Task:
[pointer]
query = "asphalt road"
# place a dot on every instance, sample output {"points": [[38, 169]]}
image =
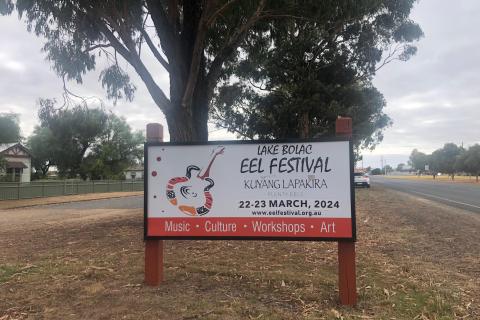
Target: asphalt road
{"points": [[461, 195], [133, 202]]}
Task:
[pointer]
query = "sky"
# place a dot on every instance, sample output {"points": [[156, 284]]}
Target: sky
{"points": [[433, 98]]}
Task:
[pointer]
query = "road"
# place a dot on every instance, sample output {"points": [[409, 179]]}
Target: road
{"points": [[132, 202], [461, 195]]}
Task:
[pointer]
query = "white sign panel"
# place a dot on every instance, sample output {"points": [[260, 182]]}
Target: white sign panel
{"points": [[299, 190]]}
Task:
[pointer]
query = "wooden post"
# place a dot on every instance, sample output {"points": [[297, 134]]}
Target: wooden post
{"points": [[347, 282], [153, 248]]}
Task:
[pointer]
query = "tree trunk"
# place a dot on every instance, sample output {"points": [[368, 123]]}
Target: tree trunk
{"points": [[185, 127], [304, 125], [201, 106], [188, 124], [180, 125]]}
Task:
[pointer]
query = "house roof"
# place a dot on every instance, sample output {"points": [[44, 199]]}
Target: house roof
{"points": [[6, 146], [135, 168], [15, 165]]}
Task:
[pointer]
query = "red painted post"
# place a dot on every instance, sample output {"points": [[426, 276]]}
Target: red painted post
{"points": [[154, 248], [347, 281]]}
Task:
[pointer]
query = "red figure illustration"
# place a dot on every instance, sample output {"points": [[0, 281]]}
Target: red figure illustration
{"points": [[191, 193]]}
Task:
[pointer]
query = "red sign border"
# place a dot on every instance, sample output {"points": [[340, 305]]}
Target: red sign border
{"points": [[230, 142]]}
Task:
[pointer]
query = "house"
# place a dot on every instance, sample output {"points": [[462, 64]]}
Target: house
{"points": [[18, 162], [134, 172]]}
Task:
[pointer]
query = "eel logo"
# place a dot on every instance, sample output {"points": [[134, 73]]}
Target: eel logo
{"points": [[191, 193]]}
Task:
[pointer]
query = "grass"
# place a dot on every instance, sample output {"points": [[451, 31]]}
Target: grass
{"points": [[95, 271], [229, 289], [6, 271]]}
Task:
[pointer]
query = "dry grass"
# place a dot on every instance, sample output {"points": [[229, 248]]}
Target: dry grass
{"points": [[415, 261]]}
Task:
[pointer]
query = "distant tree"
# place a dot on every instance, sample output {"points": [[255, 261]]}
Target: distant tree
{"points": [[73, 132], [117, 148], [42, 147], [418, 160], [400, 167], [376, 172], [443, 159], [9, 132], [9, 128], [471, 160], [388, 168], [459, 165], [3, 164]]}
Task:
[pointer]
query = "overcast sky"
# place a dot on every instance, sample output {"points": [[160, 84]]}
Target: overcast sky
{"points": [[433, 98]]}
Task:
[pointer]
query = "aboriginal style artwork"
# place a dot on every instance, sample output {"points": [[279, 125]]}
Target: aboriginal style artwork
{"points": [[191, 193]]}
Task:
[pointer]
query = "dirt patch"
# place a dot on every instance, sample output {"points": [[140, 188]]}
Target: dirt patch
{"points": [[415, 259], [23, 203]]}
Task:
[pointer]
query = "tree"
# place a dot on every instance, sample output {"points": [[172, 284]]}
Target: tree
{"points": [[3, 164], [376, 172], [418, 160], [471, 160], [9, 128], [73, 132], [388, 168], [42, 147], [443, 159], [9, 132], [201, 42], [117, 148], [400, 167], [314, 70]]}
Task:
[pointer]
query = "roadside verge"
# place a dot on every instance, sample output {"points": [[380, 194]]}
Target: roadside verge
{"points": [[13, 204]]}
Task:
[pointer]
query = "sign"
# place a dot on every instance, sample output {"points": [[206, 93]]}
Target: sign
{"points": [[427, 167], [300, 190]]}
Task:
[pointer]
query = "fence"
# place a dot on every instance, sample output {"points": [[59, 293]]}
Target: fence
{"points": [[28, 190]]}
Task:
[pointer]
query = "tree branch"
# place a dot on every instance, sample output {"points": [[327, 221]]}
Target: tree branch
{"points": [[131, 56], [229, 47], [197, 53], [165, 31], [222, 9], [154, 50], [173, 14], [223, 125], [97, 46]]}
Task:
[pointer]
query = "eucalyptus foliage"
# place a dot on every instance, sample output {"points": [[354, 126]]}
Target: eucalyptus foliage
{"points": [[83, 142], [206, 45], [9, 128], [299, 75]]}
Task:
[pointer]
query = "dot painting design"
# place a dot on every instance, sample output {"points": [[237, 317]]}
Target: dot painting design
{"points": [[159, 158], [154, 173]]}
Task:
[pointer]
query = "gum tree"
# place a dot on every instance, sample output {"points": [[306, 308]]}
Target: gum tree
{"points": [[198, 43]]}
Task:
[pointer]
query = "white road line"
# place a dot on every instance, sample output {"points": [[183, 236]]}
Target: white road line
{"points": [[453, 201]]}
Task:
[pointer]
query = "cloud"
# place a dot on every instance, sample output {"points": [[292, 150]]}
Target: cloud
{"points": [[27, 77], [432, 98]]}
